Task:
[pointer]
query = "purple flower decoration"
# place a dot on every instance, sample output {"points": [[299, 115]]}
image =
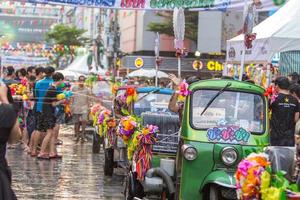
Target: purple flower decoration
{"points": [[244, 166], [101, 118]]}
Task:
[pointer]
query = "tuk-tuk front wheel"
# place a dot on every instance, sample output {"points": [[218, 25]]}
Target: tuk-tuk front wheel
{"points": [[214, 192], [211, 192], [133, 188]]}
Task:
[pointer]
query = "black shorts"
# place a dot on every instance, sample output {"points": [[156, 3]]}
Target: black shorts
{"points": [[60, 117], [45, 121], [284, 138], [31, 122]]}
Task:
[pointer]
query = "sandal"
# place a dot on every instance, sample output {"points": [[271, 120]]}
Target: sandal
{"points": [[43, 156]]}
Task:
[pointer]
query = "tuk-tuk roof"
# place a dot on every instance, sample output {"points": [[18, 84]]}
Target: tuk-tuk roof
{"points": [[152, 88], [220, 83], [127, 86], [148, 89]]}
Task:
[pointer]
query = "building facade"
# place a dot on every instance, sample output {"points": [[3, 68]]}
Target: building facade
{"points": [[137, 41], [216, 27], [135, 36]]}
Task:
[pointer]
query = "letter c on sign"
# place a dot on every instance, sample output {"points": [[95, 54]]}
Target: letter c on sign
{"points": [[210, 65]]}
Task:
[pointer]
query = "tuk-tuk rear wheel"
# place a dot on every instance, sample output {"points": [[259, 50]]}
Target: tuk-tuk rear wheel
{"points": [[108, 162]]}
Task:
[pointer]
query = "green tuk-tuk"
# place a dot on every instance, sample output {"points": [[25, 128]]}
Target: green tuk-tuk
{"points": [[223, 121]]}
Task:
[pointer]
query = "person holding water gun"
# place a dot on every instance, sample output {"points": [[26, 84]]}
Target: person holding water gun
{"points": [[62, 112]]}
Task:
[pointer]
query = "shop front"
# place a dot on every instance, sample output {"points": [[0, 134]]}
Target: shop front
{"points": [[205, 68]]}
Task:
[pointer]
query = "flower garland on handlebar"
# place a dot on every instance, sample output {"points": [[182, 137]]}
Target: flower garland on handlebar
{"points": [[249, 176], [99, 115], [143, 154], [271, 94], [139, 143], [106, 124], [102, 117], [255, 180], [139, 140], [127, 126], [131, 95], [110, 130]]}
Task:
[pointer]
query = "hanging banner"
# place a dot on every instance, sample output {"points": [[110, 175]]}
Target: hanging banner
{"points": [[41, 11], [23, 61], [259, 53], [222, 5], [232, 5]]}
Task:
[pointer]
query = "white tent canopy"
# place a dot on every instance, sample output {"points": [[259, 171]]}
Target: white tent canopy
{"points": [[79, 65], [278, 33], [70, 75], [148, 73]]}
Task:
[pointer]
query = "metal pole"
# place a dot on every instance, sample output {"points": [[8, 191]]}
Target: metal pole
{"points": [[115, 43], [242, 63], [92, 24], [1, 68], [156, 74], [268, 74], [244, 46], [157, 41], [179, 67]]}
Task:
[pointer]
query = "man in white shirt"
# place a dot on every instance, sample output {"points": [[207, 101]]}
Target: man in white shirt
{"points": [[80, 108]]}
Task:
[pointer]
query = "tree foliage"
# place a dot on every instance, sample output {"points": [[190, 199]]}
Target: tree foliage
{"points": [[66, 36], [166, 26]]}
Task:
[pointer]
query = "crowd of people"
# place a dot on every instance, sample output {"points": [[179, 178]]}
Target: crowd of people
{"points": [[34, 103], [43, 113], [39, 109]]}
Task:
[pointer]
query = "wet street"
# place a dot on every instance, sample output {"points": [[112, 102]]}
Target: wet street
{"points": [[79, 175]]}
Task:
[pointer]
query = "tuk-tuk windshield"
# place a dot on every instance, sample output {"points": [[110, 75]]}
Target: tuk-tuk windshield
{"points": [[230, 108], [151, 102]]}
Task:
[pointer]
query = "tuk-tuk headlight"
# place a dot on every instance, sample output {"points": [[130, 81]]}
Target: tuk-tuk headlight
{"points": [[189, 152], [229, 155]]}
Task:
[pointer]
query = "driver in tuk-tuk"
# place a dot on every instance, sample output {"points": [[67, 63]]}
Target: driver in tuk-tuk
{"points": [[174, 105]]}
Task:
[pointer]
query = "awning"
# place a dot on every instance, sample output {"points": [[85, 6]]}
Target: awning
{"points": [[278, 33]]}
